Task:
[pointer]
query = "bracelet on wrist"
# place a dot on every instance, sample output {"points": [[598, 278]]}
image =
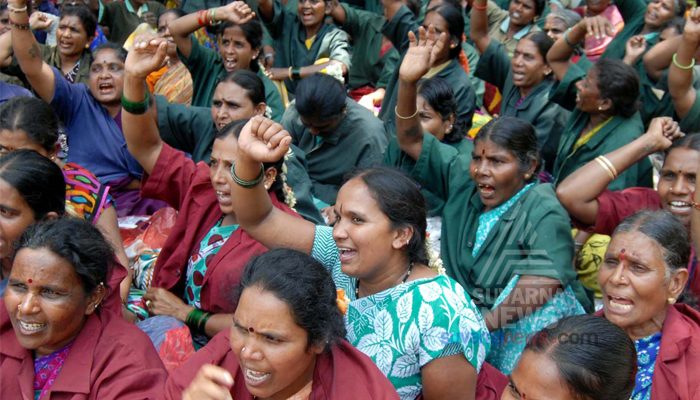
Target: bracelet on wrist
{"points": [[675, 62], [566, 39], [290, 73], [296, 74], [268, 55], [19, 26], [136, 108], [248, 184], [17, 10]]}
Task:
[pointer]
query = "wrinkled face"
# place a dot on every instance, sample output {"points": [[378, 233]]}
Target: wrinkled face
{"points": [[588, 93], [4, 21], [71, 37], [312, 12], [554, 27], [435, 19], [596, 7], [321, 127], [430, 120], [677, 182], [528, 66], [272, 350], [536, 376], [17, 140], [15, 216], [164, 31], [633, 280], [223, 155], [496, 173], [522, 12], [658, 12], [236, 50], [107, 77], [231, 102], [46, 301], [363, 233]]}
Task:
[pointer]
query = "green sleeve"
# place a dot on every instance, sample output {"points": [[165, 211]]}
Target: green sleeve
{"points": [[201, 59], [391, 61], [397, 29], [267, 39], [339, 47], [437, 161], [275, 27], [631, 9], [356, 21], [180, 126], [564, 92], [300, 183], [109, 10], [691, 122], [273, 98], [494, 65]]}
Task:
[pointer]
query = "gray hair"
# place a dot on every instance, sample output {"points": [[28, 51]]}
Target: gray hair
{"points": [[568, 17]]}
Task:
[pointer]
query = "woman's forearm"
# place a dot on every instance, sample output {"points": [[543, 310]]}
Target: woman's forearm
{"points": [[479, 31], [529, 294]]}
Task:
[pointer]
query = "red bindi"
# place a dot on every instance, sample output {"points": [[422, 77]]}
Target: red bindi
{"points": [[30, 280], [483, 151], [251, 330], [622, 255]]}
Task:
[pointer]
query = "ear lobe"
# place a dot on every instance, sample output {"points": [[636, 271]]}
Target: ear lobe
{"points": [[677, 282], [94, 299]]}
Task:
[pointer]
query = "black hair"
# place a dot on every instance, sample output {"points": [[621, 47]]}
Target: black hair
{"points": [[668, 232], [249, 81], [455, 22], [235, 128], [253, 32], [690, 141], [3, 7], [38, 180], [307, 288], [400, 199], [441, 98], [32, 115], [516, 136], [320, 95], [414, 6], [677, 22], [78, 242], [618, 82], [86, 17], [596, 358], [118, 50], [539, 8], [177, 11], [542, 41]]}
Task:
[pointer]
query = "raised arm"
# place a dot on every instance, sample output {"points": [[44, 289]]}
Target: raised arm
{"points": [[263, 140], [266, 8], [579, 192], [680, 75], [479, 31], [28, 54], [391, 7], [237, 12], [140, 130], [417, 62], [660, 56], [634, 48], [559, 56], [338, 12]]}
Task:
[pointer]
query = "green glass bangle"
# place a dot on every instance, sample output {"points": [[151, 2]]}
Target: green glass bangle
{"points": [[248, 184], [692, 63], [194, 319], [566, 38], [296, 76], [203, 322], [134, 107]]}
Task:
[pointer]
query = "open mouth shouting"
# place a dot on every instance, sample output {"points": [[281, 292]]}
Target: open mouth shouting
{"points": [[230, 63]]}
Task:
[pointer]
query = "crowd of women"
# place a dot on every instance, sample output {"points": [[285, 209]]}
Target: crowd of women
{"points": [[488, 199]]}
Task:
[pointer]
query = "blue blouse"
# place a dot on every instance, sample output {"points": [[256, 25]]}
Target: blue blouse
{"points": [[647, 351]]}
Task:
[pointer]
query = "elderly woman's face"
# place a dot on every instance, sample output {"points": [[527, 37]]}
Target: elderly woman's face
{"points": [[46, 301], [633, 280], [272, 350]]}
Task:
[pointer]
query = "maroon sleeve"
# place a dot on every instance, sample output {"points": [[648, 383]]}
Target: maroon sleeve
{"points": [[171, 177], [614, 207]]}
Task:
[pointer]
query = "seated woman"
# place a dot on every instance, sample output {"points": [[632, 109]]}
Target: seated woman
{"points": [[374, 58], [30, 123], [643, 278], [581, 357], [173, 81], [595, 46], [285, 297], [376, 253], [92, 117], [305, 43], [437, 109], [595, 209], [479, 212], [239, 38], [52, 317], [524, 81], [71, 55], [336, 133], [446, 18], [509, 26], [206, 251], [604, 102], [557, 22]]}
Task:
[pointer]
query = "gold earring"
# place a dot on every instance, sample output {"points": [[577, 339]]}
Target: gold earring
{"points": [[527, 176], [600, 108], [448, 130], [452, 46], [671, 301]]}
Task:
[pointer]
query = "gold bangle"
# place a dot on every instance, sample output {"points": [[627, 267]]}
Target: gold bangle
{"points": [[606, 168], [396, 111], [612, 167], [290, 73]]}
